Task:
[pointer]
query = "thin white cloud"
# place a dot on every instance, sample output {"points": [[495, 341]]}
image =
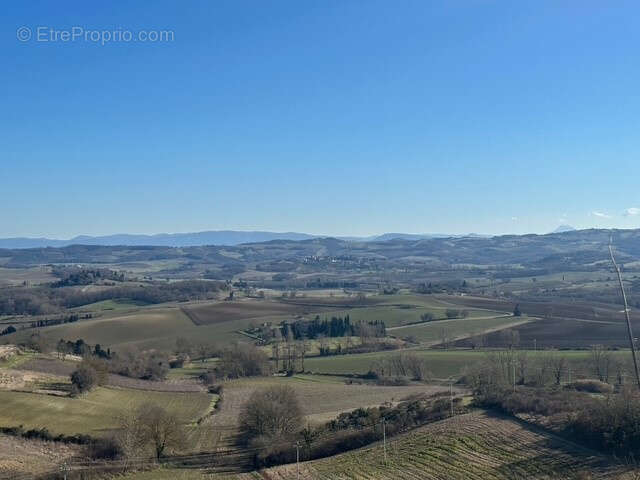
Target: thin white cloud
{"points": [[515, 219], [600, 214], [631, 212]]}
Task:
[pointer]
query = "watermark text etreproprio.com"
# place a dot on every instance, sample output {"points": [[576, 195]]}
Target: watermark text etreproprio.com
{"points": [[47, 34]]}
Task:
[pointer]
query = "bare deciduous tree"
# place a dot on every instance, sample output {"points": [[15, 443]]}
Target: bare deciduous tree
{"points": [[271, 412], [150, 427], [559, 367], [510, 337], [131, 437], [159, 428], [445, 337], [600, 362]]}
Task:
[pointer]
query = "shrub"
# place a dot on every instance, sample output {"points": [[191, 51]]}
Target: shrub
{"points": [[393, 381], [208, 378], [452, 313], [215, 389], [104, 449], [427, 317], [591, 386], [86, 377], [177, 362]]}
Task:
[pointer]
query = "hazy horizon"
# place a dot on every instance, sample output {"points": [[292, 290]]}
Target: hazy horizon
{"points": [[313, 234]]}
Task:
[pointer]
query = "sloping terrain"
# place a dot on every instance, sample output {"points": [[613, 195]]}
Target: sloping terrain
{"points": [[470, 447], [476, 446]]}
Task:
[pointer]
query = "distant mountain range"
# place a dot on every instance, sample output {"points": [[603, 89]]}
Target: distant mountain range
{"points": [[218, 237], [564, 228], [573, 250], [214, 237]]}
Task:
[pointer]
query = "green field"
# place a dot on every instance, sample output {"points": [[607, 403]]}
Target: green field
{"points": [[441, 363], [106, 305], [94, 413], [405, 313]]}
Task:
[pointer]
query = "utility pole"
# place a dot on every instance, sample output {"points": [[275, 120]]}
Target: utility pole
{"points": [[64, 468], [384, 439], [451, 394], [626, 310], [297, 460]]}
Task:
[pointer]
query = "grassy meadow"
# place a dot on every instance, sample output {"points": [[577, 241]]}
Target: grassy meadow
{"points": [[441, 363], [96, 412]]}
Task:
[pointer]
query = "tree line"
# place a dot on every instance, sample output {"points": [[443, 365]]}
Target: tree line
{"points": [[43, 300], [72, 276], [334, 327]]}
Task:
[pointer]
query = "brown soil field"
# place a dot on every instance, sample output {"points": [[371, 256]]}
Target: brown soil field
{"points": [[561, 325], [563, 333], [576, 310]]}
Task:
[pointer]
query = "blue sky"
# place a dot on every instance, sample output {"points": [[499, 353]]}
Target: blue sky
{"points": [[329, 117]]}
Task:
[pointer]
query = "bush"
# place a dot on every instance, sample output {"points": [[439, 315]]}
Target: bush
{"points": [[609, 424], [104, 449], [591, 386], [85, 378], [215, 389], [452, 313], [427, 317], [177, 363], [208, 378], [44, 434], [393, 381]]}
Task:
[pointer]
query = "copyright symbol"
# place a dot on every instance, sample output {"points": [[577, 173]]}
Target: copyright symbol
{"points": [[23, 34]]}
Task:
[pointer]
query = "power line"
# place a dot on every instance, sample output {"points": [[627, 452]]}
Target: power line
{"points": [[626, 310]]}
